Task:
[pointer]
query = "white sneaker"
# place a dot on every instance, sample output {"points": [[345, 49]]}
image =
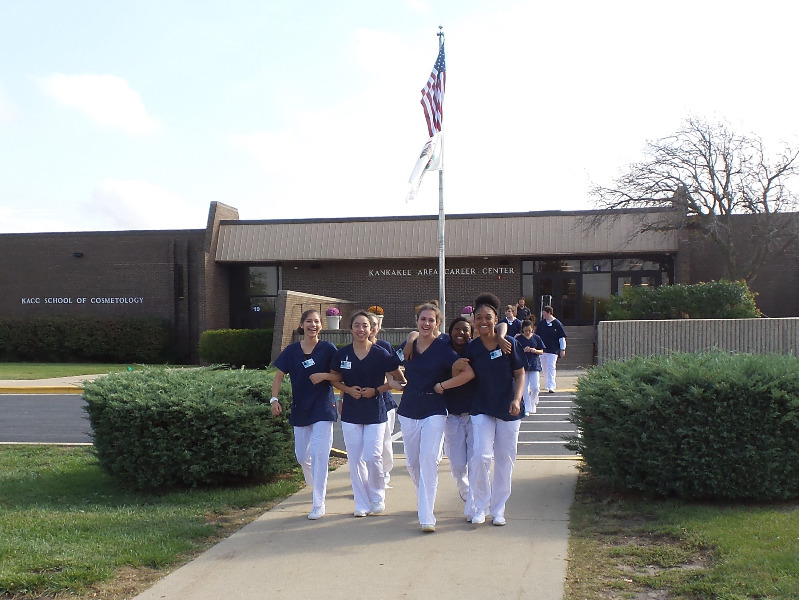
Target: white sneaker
{"points": [[317, 513], [479, 517], [535, 408], [360, 513], [378, 507], [428, 527], [499, 521]]}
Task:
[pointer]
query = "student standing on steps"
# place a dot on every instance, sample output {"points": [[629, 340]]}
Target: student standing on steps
{"points": [[551, 331], [533, 348]]}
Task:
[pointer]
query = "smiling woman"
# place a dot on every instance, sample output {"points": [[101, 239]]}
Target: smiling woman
{"points": [[496, 412], [362, 367], [423, 410], [313, 404]]}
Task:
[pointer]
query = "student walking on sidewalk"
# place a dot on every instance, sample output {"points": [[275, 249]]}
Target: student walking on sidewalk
{"points": [[423, 410], [313, 404], [363, 367], [496, 413]]}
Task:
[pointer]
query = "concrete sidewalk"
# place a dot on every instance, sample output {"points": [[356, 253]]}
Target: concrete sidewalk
{"points": [[567, 380], [55, 385], [284, 555]]}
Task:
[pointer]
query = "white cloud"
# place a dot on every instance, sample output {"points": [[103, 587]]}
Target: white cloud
{"points": [[107, 99], [127, 204]]}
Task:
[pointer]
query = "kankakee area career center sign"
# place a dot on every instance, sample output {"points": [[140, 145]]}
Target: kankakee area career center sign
{"points": [[467, 271]]}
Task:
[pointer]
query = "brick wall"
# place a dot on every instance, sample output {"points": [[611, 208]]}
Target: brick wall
{"points": [[97, 274], [214, 309], [777, 282]]}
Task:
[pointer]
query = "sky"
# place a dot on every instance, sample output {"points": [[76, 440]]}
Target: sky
{"points": [[138, 114]]}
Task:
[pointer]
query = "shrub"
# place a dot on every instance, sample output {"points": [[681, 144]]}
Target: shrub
{"points": [[237, 347], [140, 340], [695, 426], [712, 300], [187, 427]]}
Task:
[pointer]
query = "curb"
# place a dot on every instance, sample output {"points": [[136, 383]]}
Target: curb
{"points": [[42, 389]]}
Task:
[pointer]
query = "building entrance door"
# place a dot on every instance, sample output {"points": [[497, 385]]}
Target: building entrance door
{"points": [[564, 288]]}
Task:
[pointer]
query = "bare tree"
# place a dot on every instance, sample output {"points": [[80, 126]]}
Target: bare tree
{"points": [[709, 175]]}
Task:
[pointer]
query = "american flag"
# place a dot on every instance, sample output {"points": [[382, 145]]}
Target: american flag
{"points": [[433, 94]]}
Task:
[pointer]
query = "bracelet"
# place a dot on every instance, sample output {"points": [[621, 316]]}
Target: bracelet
{"points": [[273, 400], [441, 385]]}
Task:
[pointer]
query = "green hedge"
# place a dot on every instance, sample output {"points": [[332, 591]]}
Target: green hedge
{"points": [[711, 300], [118, 340], [237, 347], [187, 427], [695, 426]]}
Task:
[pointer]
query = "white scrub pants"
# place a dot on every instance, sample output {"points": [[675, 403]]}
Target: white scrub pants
{"points": [[388, 444], [549, 363], [458, 446], [423, 439], [531, 381], [312, 444], [364, 444], [493, 439]]}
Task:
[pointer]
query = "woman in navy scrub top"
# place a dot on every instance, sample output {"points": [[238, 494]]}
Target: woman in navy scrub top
{"points": [[423, 410], [313, 404], [496, 413], [363, 367], [458, 439]]}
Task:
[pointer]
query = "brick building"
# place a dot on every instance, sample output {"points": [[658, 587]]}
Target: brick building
{"points": [[232, 273]]}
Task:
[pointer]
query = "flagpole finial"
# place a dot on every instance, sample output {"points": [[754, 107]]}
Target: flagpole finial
{"points": [[440, 33]]}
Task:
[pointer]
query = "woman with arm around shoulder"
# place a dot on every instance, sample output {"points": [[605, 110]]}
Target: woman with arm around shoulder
{"points": [[362, 367], [313, 404], [496, 413], [423, 410]]}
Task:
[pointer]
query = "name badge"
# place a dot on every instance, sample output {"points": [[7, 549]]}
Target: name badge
{"points": [[495, 354], [345, 364], [308, 363]]}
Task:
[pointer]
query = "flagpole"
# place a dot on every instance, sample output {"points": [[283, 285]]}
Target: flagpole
{"points": [[442, 293]]}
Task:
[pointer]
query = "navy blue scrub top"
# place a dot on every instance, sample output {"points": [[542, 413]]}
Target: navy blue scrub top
{"points": [[309, 403], [423, 372], [369, 372], [494, 371]]}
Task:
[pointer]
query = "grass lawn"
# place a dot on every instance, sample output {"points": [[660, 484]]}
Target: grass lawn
{"points": [[10, 370], [624, 546], [67, 528]]}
